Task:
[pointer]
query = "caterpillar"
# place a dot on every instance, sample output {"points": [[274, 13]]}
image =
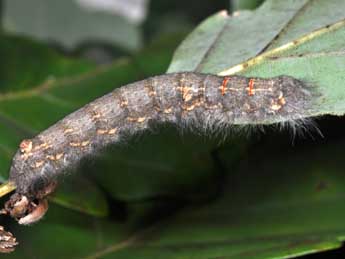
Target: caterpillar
{"points": [[203, 100]]}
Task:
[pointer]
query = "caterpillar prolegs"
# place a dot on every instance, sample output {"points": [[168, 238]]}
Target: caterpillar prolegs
{"points": [[202, 100]]}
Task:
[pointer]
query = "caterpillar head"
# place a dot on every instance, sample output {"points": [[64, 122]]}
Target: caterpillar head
{"points": [[29, 209]]}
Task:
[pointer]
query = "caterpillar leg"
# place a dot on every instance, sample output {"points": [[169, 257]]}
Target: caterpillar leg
{"points": [[28, 210]]}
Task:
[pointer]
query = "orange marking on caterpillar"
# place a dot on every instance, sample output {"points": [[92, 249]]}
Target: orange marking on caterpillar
{"points": [[251, 87], [68, 130], [168, 110], [224, 84], [139, 119], [96, 115], [152, 93], [112, 131], [55, 157], [192, 106], [85, 143], [276, 107], [185, 91], [50, 157], [43, 146], [282, 101], [102, 131], [59, 156], [123, 103], [74, 144], [25, 146], [39, 164]]}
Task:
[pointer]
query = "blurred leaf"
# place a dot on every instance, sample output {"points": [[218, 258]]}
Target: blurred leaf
{"points": [[245, 4], [178, 15], [133, 11], [288, 205], [268, 211], [159, 165], [26, 64], [79, 193], [65, 233], [69, 24], [193, 10]]}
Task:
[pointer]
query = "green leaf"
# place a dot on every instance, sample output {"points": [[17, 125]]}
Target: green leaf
{"points": [[157, 165], [65, 233], [245, 4], [222, 41], [313, 15], [26, 64], [279, 207], [314, 56], [320, 61], [81, 194], [290, 204]]}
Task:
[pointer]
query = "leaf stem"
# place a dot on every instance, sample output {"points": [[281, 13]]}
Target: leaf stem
{"points": [[7, 187]]}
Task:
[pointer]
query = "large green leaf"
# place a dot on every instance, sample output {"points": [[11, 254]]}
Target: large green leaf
{"points": [[245, 4], [223, 41], [157, 165], [268, 211], [304, 41], [281, 207], [320, 61], [26, 64], [66, 234], [81, 194]]}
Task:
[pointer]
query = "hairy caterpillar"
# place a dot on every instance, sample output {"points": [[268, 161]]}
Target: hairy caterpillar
{"points": [[207, 101]]}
